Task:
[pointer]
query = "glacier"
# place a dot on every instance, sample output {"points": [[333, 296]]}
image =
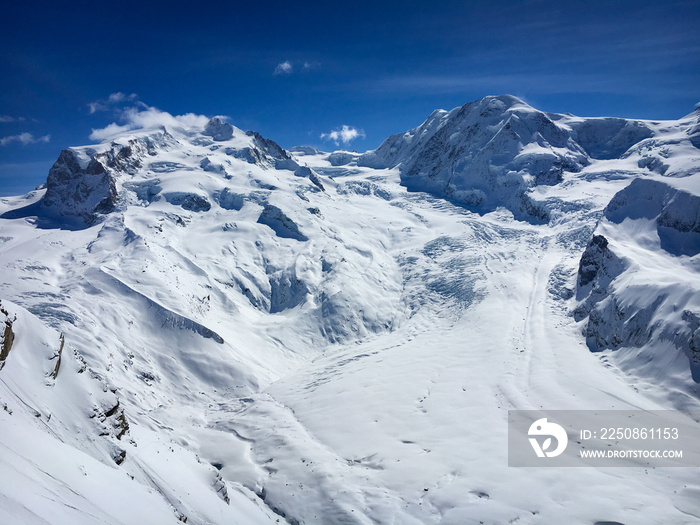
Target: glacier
{"points": [[201, 326]]}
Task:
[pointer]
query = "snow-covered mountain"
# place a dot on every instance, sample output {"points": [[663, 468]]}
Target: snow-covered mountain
{"points": [[211, 328], [492, 152]]}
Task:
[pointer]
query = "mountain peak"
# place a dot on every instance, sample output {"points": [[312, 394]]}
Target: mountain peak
{"points": [[501, 101], [147, 165], [218, 129], [466, 154]]}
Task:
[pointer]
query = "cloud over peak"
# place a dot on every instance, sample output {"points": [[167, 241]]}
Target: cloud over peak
{"points": [[148, 117]]}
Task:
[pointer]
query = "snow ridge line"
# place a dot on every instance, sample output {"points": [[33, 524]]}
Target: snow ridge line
{"points": [[168, 317]]}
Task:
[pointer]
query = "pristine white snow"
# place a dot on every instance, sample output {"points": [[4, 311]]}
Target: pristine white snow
{"points": [[296, 337]]}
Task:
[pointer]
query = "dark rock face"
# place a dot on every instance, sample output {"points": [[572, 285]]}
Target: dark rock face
{"points": [[283, 226], [692, 339], [598, 268], [268, 154], [593, 259], [77, 191], [272, 152], [8, 336]]}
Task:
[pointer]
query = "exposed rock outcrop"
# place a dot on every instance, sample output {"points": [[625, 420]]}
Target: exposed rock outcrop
{"points": [[80, 191], [8, 336]]}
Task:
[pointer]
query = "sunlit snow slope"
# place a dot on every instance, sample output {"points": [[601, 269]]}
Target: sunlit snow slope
{"points": [[201, 325]]}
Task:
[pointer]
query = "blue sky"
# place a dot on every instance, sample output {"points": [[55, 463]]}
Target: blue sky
{"points": [[298, 71]]}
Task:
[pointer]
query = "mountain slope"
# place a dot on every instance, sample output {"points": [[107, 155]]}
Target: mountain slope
{"points": [[336, 338]]}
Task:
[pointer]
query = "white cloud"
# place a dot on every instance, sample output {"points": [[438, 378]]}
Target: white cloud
{"points": [[287, 67], [117, 97], [7, 118], [112, 100], [345, 134], [94, 107], [284, 68], [147, 117], [24, 139], [108, 131]]}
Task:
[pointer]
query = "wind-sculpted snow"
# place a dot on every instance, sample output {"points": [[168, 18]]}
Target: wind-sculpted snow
{"points": [[342, 158], [210, 328], [676, 213], [46, 383]]}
